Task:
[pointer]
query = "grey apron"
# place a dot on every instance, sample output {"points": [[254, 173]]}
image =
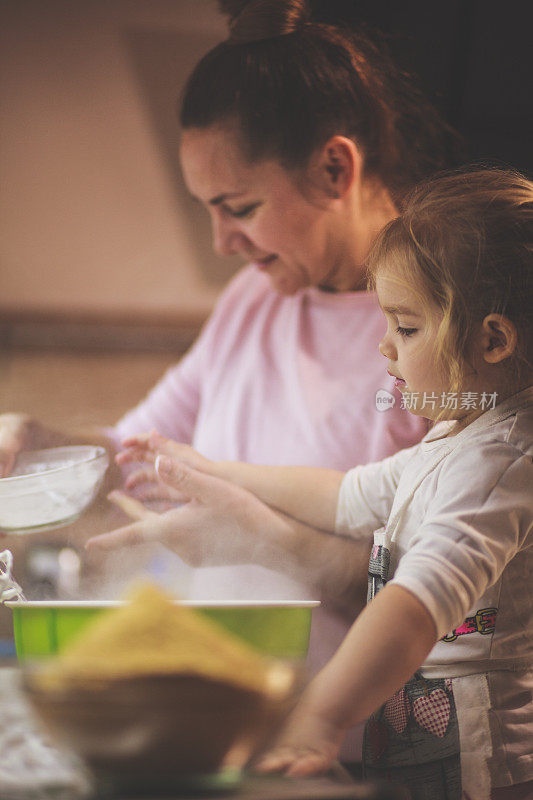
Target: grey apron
{"points": [[413, 739]]}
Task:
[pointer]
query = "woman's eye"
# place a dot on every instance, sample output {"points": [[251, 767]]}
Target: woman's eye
{"points": [[241, 213], [405, 331]]}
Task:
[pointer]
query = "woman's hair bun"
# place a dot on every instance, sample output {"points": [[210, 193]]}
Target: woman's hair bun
{"points": [[253, 20]]}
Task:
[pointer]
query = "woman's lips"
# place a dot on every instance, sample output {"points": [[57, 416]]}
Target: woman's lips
{"points": [[264, 263]]}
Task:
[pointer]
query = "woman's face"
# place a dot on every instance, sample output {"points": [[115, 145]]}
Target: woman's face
{"points": [[277, 220]]}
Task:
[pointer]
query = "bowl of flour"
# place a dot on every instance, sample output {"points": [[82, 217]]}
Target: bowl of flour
{"points": [[50, 488]]}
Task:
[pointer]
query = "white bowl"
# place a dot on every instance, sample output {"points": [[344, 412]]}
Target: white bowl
{"points": [[50, 488]]}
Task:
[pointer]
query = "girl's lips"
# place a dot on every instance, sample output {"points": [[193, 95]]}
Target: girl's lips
{"points": [[398, 382]]}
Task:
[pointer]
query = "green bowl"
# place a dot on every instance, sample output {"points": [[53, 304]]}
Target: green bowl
{"points": [[281, 629]]}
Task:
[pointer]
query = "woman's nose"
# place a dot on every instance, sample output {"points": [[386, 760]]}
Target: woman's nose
{"points": [[227, 241]]}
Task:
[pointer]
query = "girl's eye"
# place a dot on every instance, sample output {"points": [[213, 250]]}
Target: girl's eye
{"points": [[405, 331], [241, 213]]}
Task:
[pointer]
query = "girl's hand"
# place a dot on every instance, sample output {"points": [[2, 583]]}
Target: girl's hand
{"points": [[219, 524], [308, 745], [144, 482], [146, 447], [346, 691], [146, 485]]}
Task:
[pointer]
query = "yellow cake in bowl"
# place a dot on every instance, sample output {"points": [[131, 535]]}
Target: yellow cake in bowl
{"points": [[153, 694]]}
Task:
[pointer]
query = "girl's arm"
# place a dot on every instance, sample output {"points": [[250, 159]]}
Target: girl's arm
{"points": [[309, 494], [385, 646]]}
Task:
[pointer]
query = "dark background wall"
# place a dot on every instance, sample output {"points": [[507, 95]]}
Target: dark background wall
{"points": [[471, 57], [92, 198]]}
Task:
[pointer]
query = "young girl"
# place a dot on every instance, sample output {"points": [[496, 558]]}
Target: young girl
{"points": [[441, 658]]}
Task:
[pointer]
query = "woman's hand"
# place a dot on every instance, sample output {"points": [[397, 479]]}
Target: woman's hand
{"points": [[21, 432], [219, 523], [15, 435]]}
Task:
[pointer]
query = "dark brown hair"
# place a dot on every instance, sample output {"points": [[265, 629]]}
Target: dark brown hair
{"points": [[291, 84], [464, 242]]}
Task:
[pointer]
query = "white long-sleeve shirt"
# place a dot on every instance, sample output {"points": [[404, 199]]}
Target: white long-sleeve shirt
{"points": [[457, 515]]}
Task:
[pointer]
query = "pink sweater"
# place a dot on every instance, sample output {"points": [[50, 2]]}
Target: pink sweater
{"points": [[280, 380]]}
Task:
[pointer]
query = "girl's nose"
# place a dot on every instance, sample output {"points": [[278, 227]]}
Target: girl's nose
{"points": [[227, 241], [387, 349]]}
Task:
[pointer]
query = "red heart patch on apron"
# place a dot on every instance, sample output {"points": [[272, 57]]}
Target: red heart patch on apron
{"points": [[432, 712], [397, 711]]}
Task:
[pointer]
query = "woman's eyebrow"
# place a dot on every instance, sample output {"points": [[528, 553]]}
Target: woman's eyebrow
{"points": [[221, 198]]}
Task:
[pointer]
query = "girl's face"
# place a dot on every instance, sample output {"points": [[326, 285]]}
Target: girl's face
{"points": [[259, 211], [409, 346]]}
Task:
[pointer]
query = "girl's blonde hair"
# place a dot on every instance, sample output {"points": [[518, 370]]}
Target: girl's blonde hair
{"points": [[464, 242]]}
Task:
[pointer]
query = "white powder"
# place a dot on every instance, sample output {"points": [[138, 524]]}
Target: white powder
{"points": [[30, 767]]}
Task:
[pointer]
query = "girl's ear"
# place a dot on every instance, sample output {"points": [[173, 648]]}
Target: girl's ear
{"points": [[337, 166], [499, 338]]}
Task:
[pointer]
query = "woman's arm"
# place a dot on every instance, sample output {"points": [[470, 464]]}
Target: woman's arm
{"points": [[385, 646], [221, 523]]}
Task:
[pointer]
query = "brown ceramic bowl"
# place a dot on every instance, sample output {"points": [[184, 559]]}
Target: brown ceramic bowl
{"points": [[161, 732]]}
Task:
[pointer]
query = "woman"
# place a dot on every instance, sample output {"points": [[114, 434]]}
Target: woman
{"points": [[301, 140]]}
